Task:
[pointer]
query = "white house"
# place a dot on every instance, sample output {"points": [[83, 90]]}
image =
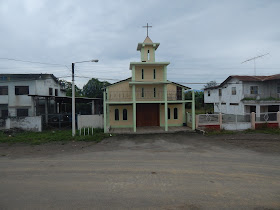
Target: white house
{"points": [[245, 94], [18, 91]]}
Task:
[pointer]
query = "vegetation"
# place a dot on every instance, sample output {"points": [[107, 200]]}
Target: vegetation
{"points": [[200, 107], [265, 130], [93, 88], [211, 84], [35, 138], [212, 132]]}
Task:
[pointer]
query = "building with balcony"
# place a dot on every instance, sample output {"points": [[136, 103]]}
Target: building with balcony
{"points": [[147, 98], [245, 94]]}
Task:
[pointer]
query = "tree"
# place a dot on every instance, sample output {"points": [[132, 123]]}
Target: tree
{"points": [[68, 88], [210, 84], [94, 88]]}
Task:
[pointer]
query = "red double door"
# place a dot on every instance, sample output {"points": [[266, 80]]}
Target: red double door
{"points": [[147, 115]]}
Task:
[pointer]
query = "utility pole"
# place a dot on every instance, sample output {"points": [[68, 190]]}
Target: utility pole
{"points": [[73, 96]]}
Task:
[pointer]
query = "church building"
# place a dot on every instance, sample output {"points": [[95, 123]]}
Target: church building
{"points": [[147, 98]]}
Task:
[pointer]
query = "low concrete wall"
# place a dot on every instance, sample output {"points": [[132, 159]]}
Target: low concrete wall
{"points": [[90, 121], [25, 123], [236, 126]]}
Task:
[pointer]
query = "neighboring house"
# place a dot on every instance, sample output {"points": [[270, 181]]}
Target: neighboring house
{"points": [[245, 94], [19, 94], [147, 98]]}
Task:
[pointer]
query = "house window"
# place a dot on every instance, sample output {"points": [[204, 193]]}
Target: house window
{"points": [[50, 91], [175, 113], [278, 87], [4, 113], [234, 104], [254, 90], [223, 103], [21, 90], [124, 114], [142, 73], [209, 93], [233, 91], [148, 54], [154, 74], [3, 90], [220, 92], [155, 92], [168, 113], [22, 112], [56, 92], [142, 94], [117, 117]]}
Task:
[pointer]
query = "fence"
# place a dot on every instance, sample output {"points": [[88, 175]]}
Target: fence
{"points": [[238, 122], [87, 123]]}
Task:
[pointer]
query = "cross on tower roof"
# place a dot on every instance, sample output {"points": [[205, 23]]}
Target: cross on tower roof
{"points": [[147, 28]]}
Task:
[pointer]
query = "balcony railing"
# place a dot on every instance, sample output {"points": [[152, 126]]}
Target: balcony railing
{"points": [[262, 97], [143, 96]]}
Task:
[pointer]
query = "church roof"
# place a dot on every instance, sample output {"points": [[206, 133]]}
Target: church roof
{"points": [[148, 40]]}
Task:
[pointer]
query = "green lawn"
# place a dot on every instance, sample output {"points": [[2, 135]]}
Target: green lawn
{"points": [[49, 136]]}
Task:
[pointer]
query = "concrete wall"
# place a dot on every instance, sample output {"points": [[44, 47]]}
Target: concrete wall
{"points": [[224, 103], [36, 87], [121, 123], [90, 121], [172, 121], [236, 126], [25, 123], [120, 92], [149, 73]]}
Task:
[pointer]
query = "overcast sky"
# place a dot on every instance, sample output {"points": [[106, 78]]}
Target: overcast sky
{"points": [[202, 40]]}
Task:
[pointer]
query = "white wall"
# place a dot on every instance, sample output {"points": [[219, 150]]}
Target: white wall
{"points": [[92, 121], [236, 126], [25, 123], [36, 87]]}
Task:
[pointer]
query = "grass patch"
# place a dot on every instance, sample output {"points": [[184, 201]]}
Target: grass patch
{"points": [[264, 130], [36, 138]]}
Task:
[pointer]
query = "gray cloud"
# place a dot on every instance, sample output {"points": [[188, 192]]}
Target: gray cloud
{"points": [[203, 40]]}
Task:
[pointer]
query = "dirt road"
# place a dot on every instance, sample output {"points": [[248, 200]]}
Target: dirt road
{"points": [[166, 171]]}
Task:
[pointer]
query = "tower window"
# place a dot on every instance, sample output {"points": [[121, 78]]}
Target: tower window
{"points": [[148, 55], [154, 73], [125, 114], [117, 114], [142, 92], [168, 113], [155, 92], [175, 113], [142, 73]]}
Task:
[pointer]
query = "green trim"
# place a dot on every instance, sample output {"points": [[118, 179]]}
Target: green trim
{"points": [[165, 108], [165, 73], [134, 108], [181, 124], [104, 112], [148, 83], [140, 102], [148, 63], [133, 73], [193, 110], [184, 112], [122, 126]]}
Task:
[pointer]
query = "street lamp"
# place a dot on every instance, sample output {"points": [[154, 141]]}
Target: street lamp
{"points": [[73, 96]]}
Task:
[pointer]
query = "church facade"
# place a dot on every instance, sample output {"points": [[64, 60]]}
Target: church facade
{"points": [[147, 98]]}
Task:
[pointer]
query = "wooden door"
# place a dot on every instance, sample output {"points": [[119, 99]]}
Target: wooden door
{"points": [[147, 115]]}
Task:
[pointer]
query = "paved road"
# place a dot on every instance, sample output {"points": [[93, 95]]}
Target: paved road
{"points": [[179, 171]]}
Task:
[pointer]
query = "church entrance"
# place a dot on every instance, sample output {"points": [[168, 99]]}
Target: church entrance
{"points": [[147, 115]]}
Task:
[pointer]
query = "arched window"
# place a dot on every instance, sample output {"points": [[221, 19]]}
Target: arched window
{"points": [[124, 114], [168, 113], [117, 117], [175, 113]]}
